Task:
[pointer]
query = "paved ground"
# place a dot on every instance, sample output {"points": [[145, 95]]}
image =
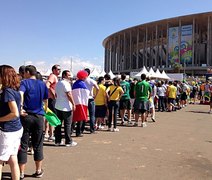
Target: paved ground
{"points": [[177, 146]]}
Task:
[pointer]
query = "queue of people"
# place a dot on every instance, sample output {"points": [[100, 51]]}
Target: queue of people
{"points": [[25, 99]]}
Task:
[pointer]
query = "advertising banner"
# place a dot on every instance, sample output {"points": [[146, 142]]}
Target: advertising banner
{"points": [[173, 45], [186, 44]]}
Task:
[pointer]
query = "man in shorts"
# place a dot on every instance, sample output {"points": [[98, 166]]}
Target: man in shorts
{"points": [[142, 94], [125, 100]]}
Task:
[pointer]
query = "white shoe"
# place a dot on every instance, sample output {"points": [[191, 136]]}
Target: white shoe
{"points": [[116, 130], [51, 139], [143, 124], [101, 127], [59, 144], [46, 137], [110, 129], [71, 144]]}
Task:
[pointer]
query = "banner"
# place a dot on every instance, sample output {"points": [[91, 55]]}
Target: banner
{"points": [[173, 45], [186, 44]]}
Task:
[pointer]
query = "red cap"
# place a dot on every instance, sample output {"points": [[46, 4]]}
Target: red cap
{"points": [[82, 74]]}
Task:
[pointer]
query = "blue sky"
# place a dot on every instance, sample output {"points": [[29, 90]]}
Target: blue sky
{"points": [[46, 32]]}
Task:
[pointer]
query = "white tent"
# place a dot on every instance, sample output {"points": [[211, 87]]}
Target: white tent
{"points": [[158, 74], [111, 74], [102, 73], [143, 71], [94, 73], [151, 73], [164, 75]]}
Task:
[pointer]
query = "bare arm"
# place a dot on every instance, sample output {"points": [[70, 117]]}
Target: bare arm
{"points": [[51, 91], [70, 98], [97, 90], [14, 113], [22, 113]]}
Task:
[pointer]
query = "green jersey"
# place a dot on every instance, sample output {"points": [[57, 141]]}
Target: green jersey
{"points": [[126, 88], [142, 90]]}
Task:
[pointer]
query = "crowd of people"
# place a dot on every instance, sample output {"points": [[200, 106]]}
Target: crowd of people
{"points": [[83, 104]]}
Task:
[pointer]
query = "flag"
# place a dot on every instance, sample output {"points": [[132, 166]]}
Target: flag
{"points": [[80, 95], [52, 118]]}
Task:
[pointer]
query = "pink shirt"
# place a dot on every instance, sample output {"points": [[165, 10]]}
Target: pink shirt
{"points": [[53, 81]]}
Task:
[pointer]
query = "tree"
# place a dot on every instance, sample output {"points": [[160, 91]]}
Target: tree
{"points": [[177, 67]]}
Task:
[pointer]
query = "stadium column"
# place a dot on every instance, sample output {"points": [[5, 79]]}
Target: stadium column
{"points": [[110, 60], [179, 43], [193, 45], [209, 42], [146, 46], [130, 65], [123, 64], [167, 45], [157, 47], [119, 52], [137, 50]]}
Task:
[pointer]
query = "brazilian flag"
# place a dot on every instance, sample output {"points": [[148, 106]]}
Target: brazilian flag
{"points": [[52, 118]]}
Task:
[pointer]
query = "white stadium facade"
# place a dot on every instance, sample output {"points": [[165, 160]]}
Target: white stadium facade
{"points": [[182, 43]]}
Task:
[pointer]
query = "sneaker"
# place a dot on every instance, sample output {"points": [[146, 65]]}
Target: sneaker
{"points": [[46, 137], [59, 144], [135, 124], [30, 151], [38, 174], [101, 127], [51, 139], [115, 130], [143, 124], [71, 144], [110, 129], [21, 176]]}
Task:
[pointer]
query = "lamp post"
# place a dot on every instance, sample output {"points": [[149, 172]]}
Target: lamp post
{"points": [[184, 67]]}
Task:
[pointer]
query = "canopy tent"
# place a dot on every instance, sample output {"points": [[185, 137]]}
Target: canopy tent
{"points": [[143, 71], [151, 73], [102, 73], [111, 74], [158, 74], [94, 73], [164, 75]]}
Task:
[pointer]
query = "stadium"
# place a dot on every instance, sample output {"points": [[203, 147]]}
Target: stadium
{"points": [[180, 44]]}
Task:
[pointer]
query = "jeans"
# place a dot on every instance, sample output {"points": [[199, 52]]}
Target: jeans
{"points": [[91, 109], [80, 127], [161, 104], [33, 125], [66, 117], [113, 106]]}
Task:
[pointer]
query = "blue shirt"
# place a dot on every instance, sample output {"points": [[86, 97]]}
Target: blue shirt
{"points": [[6, 96], [35, 91]]}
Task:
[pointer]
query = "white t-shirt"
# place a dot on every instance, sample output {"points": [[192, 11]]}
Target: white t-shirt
{"points": [[62, 102], [90, 84]]}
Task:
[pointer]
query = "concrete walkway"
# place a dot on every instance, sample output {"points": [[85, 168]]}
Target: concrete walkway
{"points": [[177, 146]]}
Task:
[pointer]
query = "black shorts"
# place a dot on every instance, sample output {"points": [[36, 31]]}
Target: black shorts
{"points": [[171, 100], [100, 111], [140, 106], [125, 104], [183, 96]]}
